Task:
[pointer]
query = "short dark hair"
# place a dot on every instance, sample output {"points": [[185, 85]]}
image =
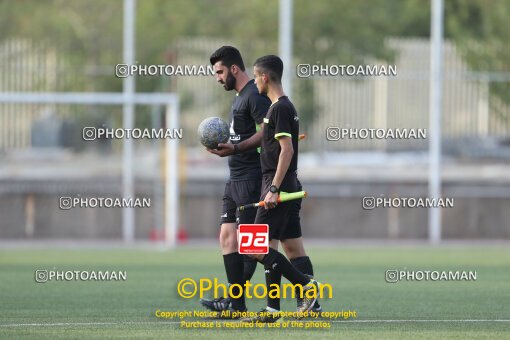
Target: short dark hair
{"points": [[272, 65], [229, 56]]}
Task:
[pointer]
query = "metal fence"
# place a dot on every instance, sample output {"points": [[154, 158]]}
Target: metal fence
{"points": [[471, 111]]}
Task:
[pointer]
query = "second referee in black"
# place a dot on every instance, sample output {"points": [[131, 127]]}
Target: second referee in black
{"points": [[278, 160]]}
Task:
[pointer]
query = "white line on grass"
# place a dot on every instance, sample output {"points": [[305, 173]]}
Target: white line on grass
{"points": [[424, 320], [85, 323], [177, 322]]}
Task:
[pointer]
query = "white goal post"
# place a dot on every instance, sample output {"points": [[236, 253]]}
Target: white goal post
{"points": [[171, 101]]}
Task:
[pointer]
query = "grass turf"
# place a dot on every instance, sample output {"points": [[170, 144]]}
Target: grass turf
{"points": [[79, 309]]}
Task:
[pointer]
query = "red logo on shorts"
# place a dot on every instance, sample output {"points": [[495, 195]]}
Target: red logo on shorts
{"points": [[253, 238]]}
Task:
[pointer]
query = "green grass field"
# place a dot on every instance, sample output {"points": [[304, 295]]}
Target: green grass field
{"points": [[127, 309]]}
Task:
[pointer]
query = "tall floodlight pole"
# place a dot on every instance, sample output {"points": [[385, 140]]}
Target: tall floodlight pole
{"points": [[128, 109], [285, 44], [436, 82], [172, 178]]}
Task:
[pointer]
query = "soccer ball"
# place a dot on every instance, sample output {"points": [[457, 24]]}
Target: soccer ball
{"points": [[212, 131]]}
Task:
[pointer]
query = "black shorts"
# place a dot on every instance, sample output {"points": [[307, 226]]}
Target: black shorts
{"points": [[279, 217], [239, 193]]}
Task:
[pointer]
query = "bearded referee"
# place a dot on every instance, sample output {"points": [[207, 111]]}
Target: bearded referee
{"points": [[279, 159], [243, 187]]}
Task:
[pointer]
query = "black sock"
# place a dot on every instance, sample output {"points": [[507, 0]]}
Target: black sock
{"points": [[304, 265], [234, 269], [280, 264], [250, 264], [272, 277]]}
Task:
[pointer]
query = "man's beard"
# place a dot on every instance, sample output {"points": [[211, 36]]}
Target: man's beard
{"points": [[230, 82]]}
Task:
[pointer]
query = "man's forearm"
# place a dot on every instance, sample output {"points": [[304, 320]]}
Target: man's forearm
{"points": [[251, 143], [283, 165]]}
